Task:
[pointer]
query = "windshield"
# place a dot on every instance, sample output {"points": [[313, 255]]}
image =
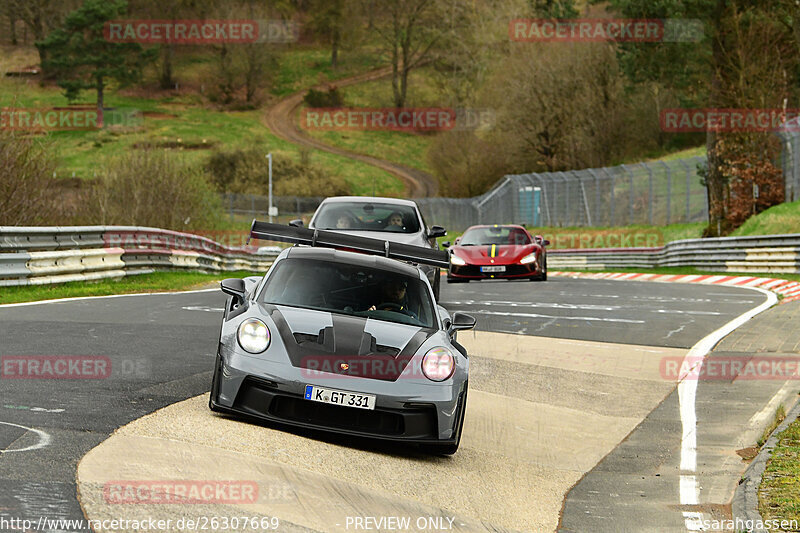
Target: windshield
{"points": [[362, 216], [495, 235], [349, 289]]}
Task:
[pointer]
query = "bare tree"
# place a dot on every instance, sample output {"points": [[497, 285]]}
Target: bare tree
{"points": [[408, 31], [41, 16]]}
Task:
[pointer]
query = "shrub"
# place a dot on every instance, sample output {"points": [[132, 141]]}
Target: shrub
{"points": [[28, 194], [246, 172], [154, 188], [330, 98]]}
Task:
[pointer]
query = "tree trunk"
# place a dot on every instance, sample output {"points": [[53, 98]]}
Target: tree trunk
{"points": [[166, 81], [100, 102], [12, 26], [39, 35], [715, 181], [335, 47]]}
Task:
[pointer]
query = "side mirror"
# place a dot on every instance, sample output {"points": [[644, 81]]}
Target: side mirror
{"points": [[437, 231], [462, 321], [446, 244], [235, 287], [546, 242], [297, 223]]}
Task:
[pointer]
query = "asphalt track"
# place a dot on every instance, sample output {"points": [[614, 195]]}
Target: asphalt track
{"points": [[161, 348]]}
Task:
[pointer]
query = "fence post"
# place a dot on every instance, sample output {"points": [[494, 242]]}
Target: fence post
{"points": [[630, 193], [669, 188], [649, 192], [612, 200]]}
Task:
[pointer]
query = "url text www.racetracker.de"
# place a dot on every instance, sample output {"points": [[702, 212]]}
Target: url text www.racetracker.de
{"points": [[143, 525]]}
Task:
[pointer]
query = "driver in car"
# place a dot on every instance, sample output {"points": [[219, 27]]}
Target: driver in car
{"points": [[393, 298]]}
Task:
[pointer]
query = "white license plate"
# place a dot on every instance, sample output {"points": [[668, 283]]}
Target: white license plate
{"points": [[340, 397], [493, 269]]}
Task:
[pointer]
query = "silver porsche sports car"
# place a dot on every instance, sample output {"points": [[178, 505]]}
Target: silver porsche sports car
{"points": [[335, 337]]}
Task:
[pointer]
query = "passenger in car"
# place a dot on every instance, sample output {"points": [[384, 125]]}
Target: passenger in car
{"points": [[395, 222]]}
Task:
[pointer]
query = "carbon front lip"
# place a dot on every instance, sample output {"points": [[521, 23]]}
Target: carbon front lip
{"points": [[258, 401]]}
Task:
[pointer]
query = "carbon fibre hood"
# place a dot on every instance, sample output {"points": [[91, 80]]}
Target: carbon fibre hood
{"points": [[342, 344]]}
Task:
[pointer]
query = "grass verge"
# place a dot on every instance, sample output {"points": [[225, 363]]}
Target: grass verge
{"points": [[780, 485], [155, 282]]}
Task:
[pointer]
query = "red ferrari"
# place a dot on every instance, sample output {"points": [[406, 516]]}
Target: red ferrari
{"points": [[509, 252]]}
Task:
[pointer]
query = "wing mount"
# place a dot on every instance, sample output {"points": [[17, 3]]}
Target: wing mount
{"points": [[343, 241]]}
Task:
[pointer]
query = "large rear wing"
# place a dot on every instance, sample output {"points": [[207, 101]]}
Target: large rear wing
{"points": [[344, 241]]}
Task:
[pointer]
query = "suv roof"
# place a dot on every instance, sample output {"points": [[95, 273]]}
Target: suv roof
{"points": [[369, 200]]}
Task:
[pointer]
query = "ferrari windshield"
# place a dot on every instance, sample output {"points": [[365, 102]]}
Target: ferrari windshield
{"points": [[349, 289], [361, 216], [494, 235]]}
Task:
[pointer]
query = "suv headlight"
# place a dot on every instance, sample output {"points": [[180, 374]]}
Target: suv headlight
{"points": [[438, 364], [253, 335]]}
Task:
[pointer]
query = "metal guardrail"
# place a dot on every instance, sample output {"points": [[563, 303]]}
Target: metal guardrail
{"points": [[45, 255], [770, 253]]}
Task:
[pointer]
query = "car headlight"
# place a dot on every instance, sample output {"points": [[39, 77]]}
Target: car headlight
{"points": [[253, 335], [530, 258], [438, 364], [457, 260]]}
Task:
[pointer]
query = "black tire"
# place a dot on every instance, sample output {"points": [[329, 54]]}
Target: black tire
{"points": [[544, 270], [215, 386]]}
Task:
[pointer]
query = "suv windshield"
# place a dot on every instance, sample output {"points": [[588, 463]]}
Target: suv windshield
{"points": [[362, 216], [349, 289], [499, 235]]}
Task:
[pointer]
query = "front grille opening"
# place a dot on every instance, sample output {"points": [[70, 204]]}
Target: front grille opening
{"points": [[337, 416]]}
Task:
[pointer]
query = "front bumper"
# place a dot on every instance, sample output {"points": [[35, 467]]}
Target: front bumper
{"points": [[512, 271], [423, 413]]}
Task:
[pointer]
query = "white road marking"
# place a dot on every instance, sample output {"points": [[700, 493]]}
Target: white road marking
{"points": [[34, 409], [203, 308], [687, 394], [549, 305], [44, 439], [535, 315]]}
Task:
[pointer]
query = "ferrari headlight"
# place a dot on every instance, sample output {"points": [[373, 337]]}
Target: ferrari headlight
{"points": [[253, 335], [438, 364], [457, 260], [530, 258]]}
